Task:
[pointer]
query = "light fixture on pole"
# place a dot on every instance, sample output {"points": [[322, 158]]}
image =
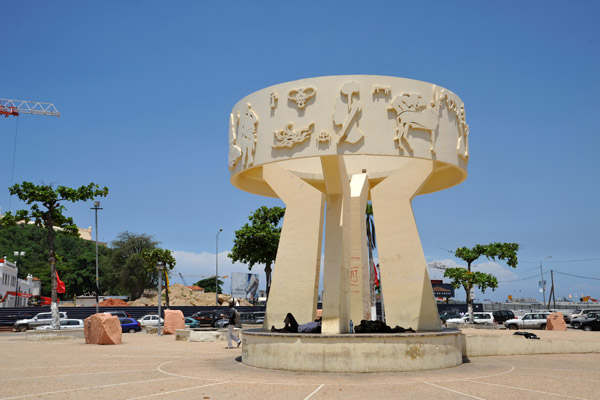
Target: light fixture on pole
{"points": [[17, 254], [217, 270], [160, 266], [542, 283], [96, 208]]}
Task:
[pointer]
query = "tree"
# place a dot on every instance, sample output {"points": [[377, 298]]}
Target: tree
{"points": [[51, 218], [469, 279], [208, 285], [257, 242], [127, 271], [152, 257]]}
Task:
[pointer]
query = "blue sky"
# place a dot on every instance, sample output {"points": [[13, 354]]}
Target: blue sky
{"points": [[145, 89]]}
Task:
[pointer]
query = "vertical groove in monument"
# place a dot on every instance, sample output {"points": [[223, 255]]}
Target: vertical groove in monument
{"points": [[406, 287], [360, 294], [336, 268], [295, 283]]}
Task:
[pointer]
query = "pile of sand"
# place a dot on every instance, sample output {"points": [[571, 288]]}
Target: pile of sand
{"points": [[113, 303], [180, 295]]}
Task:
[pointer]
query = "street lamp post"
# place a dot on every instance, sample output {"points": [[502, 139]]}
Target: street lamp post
{"points": [[18, 254], [543, 286], [160, 266], [96, 208], [217, 270]]}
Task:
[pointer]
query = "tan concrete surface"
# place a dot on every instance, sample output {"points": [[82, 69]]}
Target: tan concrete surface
{"points": [[148, 366]]}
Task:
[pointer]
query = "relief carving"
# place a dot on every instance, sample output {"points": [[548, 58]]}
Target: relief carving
{"points": [[242, 137], [235, 153], [385, 90], [301, 96], [463, 136], [274, 99], [288, 138], [347, 114], [411, 113], [324, 137]]}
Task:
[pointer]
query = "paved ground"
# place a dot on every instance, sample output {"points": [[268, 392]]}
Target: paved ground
{"points": [[147, 366]]}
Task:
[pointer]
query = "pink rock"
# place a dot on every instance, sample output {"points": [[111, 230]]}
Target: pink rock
{"points": [[102, 329], [555, 322], [173, 320]]}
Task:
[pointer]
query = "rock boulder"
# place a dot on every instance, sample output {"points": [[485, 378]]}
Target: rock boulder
{"points": [[102, 329], [173, 320]]}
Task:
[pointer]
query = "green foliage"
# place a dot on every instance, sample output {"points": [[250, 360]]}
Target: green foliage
{"points": [[257, 242], [462, 278], [208, 285], [152, 257], [502, 251], [127, 271], [50, 215]]}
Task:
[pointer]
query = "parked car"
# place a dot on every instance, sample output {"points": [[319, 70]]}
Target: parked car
{"points": [[208, 318], [120, 314], [502, 315], [130, 325], [40, 319], [528, 321], [591, 325], [191, 322], [150, 320], [583, 313], [449, 314], [478, 318], [222, 323], [577, 322], [64, 324]]}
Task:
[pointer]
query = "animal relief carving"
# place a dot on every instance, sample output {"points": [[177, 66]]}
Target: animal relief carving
{"points": [[287, 137], [411, 114]]}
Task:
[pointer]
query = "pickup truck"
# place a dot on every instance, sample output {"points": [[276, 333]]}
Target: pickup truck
{"points": [[40, 319], [528, 321]]}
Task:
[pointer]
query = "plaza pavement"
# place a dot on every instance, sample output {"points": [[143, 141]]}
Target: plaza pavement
{"points": [[151, 367]]}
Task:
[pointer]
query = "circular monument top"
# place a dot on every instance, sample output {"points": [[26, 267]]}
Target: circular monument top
{"points": [[378, 123]]}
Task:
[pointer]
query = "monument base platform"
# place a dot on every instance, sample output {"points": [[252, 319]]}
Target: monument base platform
{"points": [[392, 352]]}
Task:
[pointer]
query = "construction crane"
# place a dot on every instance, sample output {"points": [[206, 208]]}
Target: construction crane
{"points": [[17, 107]]}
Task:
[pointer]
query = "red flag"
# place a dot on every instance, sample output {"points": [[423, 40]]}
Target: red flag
{"points": [[376, 280], [60, 285]]}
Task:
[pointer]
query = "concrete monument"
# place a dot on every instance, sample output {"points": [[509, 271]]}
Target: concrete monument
{"points": [[327, 146]]}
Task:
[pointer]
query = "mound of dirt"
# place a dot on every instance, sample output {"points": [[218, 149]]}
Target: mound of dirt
{"points": [[113, 303], [180, 295]]}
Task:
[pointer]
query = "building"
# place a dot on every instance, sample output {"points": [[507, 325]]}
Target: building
{"points": [[14, 292]]}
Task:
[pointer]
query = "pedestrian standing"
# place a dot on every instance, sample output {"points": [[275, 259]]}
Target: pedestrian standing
{"points": [[234, 316]]}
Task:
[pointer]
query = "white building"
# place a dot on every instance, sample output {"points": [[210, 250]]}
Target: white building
{"points": [[9, 285]]}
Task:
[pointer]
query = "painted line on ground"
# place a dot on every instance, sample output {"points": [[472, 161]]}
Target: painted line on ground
{"points": [[178, 390], [526, 390], [453, 391], [311, 395]]}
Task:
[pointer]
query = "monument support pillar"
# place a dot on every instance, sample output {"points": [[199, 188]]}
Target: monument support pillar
{"points": [[336, 269], [359, 279], [406, 287], [295, 282]]}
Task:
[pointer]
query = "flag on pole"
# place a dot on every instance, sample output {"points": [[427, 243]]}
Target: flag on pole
{"points": [[60, 285], [376, 278]]}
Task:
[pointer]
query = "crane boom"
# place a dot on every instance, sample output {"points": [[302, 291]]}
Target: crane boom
{"points": [[16, 107]]}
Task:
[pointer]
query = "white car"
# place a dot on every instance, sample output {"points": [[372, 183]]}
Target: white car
{"points": [[150, 320], [528, 321], [64, 324], [478, 318]]}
